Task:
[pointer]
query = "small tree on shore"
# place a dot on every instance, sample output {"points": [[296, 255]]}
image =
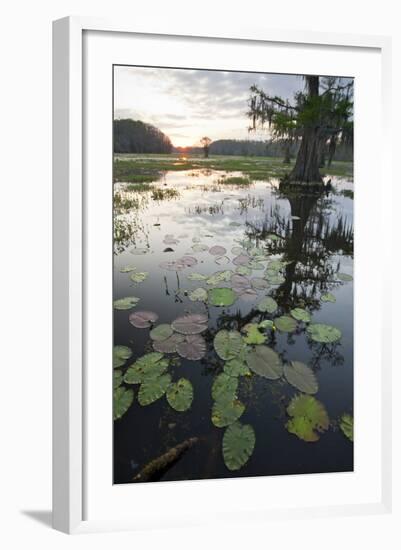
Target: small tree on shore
{"points": [[205, 143], [320, 114]]}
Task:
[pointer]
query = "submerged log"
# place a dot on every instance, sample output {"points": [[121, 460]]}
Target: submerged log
{"points": [[158, 466]]}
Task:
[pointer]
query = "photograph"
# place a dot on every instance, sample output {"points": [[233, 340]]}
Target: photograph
{"points": [[233, 249]]}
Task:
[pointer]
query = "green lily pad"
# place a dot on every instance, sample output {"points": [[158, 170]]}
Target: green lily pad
{"points": [[120, 355], [126, 303], [328, 298], [117, 378], [309, 418], [301, 377], [323, 333], [265, 362], [180, 395], [149, 365], [238, 445], [139, 276], [224, 387], [347, 426], [274, 278], [255, 265], [221, 297], [198, 295], [196, 277], [236, 367], [268, 305], [161, 332], [219, 277], [127, 269], [153, 388], [266, 324], [122, 400], [169, 345], [285, 323], [228, 344], [243, 270], [253, 336], [225, 412], [344, 277], [301, 314], [191, 323]]}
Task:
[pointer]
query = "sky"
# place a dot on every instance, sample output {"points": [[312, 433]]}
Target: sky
{"points": [[187, 104]]}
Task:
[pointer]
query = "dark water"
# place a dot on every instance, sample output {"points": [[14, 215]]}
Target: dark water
{"points": [[318, 244]]}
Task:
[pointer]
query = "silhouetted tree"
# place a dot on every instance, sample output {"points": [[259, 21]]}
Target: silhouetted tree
{"points": [[205, 142], [135, 136]]}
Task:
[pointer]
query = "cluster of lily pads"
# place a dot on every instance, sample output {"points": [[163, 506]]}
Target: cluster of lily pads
{"points": [[244, 353]]}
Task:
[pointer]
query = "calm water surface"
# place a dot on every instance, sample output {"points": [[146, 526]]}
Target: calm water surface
{"points": [[318, 241]]}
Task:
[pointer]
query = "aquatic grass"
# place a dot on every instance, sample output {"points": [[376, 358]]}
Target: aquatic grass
{"points": [[168, 193]]}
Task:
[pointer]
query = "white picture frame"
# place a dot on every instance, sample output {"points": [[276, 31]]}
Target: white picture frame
{"points": [[70, 407]]}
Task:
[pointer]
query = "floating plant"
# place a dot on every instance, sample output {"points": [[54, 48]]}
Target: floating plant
{"points": [[301, 377], [143, 319], [238, 445], [122, 400], [326, 334], [308, 418], [180, 395]]}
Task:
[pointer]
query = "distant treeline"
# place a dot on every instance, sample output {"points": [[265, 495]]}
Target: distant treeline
{"points": [[267, 148], [135, 136]]}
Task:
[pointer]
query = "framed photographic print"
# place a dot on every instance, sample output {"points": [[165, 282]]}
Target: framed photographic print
{"points": [[214, 289]]}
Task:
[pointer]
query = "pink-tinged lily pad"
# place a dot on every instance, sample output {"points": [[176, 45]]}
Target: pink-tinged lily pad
{"points": [[258, 283], [170, 344], [239, 283], [169, 239], [241, 259], [248, 294], [143, 319], [180, 264], [217, 250], [192, 323], [193, 347]]}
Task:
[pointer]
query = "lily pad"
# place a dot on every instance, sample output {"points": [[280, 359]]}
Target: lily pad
{"points": [[243, 270], [285, 323], [192, 323], [224, 387], [180, 395], [199, 248], [237, 250], [249, 295], [301, 377], [127, 269], [221, 297], [236, 367], [347, 426], [197, 277], [241, 259], [258, 283], [228, 344], [240, 283], [143, 319], [225, 413], [344, 277], [301, 314], [139, 276], [126, 303], [266, 324], [117, 378], [198, 295], [169, 345], [217, 250], [219, 277], [254, 264], [153, 388], [161, 332], [253, 336], [268, 305], [122, 400], [139, 251], [275, 278], [193, 347], [150, 365], [309, 418], [234, 224], [325, 334], [238, 445], [265, 362], [328, 297], [222, 260], [120, 355]]}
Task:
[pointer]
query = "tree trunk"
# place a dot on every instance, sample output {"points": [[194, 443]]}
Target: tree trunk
{"points": [[287, 153], [306, 169]]}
